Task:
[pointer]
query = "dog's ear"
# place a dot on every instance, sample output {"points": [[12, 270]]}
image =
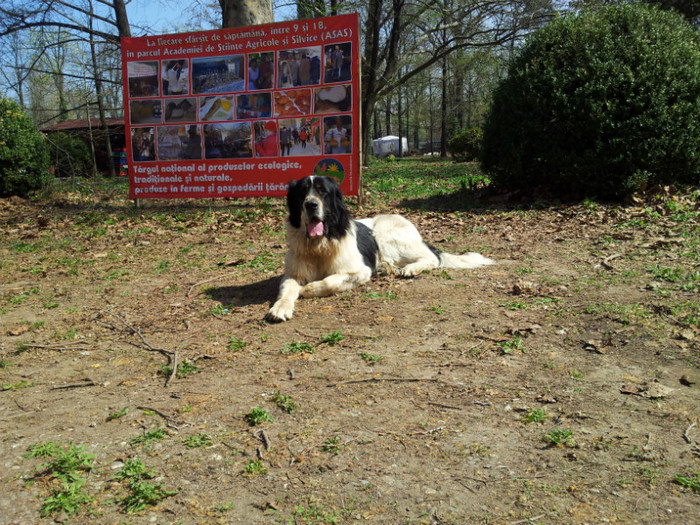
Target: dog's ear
{"points": [[338, 220], [294, 203]]}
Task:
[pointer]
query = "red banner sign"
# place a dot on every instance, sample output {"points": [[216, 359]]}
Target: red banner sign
{"points": [[240, 112]]}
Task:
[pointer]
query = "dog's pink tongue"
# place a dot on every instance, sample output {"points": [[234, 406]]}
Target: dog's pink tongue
{"points": [[315, 228]]}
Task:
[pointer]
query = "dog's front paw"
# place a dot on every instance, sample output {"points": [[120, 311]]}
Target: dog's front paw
{"points": [[279, 313]]}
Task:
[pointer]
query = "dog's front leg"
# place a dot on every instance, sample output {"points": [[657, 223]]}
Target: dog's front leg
{"points": [[283, 309], [335, 283]]}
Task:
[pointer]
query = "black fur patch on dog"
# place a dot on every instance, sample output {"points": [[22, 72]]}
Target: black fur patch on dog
{"points": [[367, 246]]}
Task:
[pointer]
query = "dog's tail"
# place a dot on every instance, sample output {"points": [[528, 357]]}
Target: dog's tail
{"points": [[464, 262]]}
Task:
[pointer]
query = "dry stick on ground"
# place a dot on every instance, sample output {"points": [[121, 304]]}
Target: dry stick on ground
{"points": [[170, 354], [390, 379], [59, 348], [86, 382], [262, 436], [170, 420], [686, 434]]}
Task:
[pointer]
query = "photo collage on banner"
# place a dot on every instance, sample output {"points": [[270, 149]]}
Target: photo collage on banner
{"points": [[272, 107]]}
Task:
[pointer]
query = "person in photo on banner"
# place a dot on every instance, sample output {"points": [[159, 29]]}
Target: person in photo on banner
{"points": [[266, 139], [337, 137], [253, 74]]}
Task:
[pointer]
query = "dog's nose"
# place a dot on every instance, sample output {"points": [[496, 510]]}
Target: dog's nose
{"points": [[311, 206]]}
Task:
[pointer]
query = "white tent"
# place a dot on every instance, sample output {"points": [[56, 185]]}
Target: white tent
{"points": [[389, 145]]}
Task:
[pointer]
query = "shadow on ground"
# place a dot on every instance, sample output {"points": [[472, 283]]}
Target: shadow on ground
{"points": [[260, 292]]}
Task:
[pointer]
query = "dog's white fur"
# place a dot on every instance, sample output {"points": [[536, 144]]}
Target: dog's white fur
{"points": [[401, 247], [321, 266]]}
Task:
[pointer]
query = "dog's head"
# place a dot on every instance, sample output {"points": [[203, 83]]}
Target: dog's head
{"points": [[316, 204]]}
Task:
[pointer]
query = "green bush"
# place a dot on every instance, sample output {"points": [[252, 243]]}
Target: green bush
{"points": [[466, 145], [24, 159], [599, 103], [69, 155]]}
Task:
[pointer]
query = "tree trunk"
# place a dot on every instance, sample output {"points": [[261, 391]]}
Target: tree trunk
{"points": [[387, 116], [121, 18], [400, 112], [100, 103], [240, 13], [443, 111]]}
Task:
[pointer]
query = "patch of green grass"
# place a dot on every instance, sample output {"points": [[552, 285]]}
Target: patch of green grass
{"points": [[691, 482], [184, 368], [313, 512], [236, 344], [224, 508], [42, 450], [200, 440], [560, 436], [70, 334], [514, 305], [514, 343], [134, 469], [118, 414], [149, 438], [537, 415], [16, 386], [576, 375], [298, 348], [284, 402], [171, 289], [333, 338], [332, 445], [68, 499], [371, 359], [381, 295], [687, 312], [24, 247], [65, 469], [265, 261], [438, 309], [142, 494], [19, 298], [163, 267], [255, 467], [257, 416], [219, 309]]}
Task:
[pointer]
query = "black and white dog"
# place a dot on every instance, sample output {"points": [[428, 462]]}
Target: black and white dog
{"points": [[329, 252]]}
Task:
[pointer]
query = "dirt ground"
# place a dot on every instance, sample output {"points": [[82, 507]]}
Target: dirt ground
{"points": [[434, 400]]}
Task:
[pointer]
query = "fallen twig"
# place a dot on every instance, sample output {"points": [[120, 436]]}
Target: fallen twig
{"points": [[441, 405], [58, 348], [686, 434], [390, 379], [86, 382], [262, 436], [172, 355], [528, 520], [426, 432], [156, 411], [170, 421], [605, 263]]}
